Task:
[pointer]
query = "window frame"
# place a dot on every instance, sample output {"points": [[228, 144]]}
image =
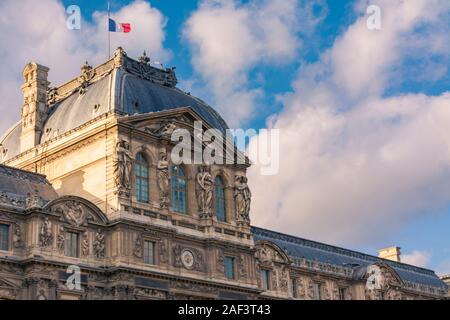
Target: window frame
{"points": [[141, 179], [294, 288], [265, 279], [7, 239], [177, 188], [69, 240], [229, 259], [145, 251], [342, 293], [220, 198], [318, 292]]}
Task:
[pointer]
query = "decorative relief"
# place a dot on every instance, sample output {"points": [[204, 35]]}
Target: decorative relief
{"points": [[85, 245], [99, 245], [242, 266], [220, 264], [34, 201], [149, 293], [242, 198], [284, 279], [192, 287], [122, 168], [189, 258], [45, 234], [163, 252], [163, 179], [73, 212], [387, 285], [61, 239], [17, 237], [138, 250], [165, 128], [301, 291], [204, 191]]}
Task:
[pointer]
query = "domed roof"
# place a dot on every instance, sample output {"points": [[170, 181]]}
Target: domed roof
{"points": [[121, 85]]}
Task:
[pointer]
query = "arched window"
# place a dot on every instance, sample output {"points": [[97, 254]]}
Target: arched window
{"points": [[141, 178], [178, 189], [220, 199]]}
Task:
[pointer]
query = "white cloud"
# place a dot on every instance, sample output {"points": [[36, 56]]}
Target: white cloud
{"points": [[36, 31], [228, 38], [355, 165], [417, 258]]}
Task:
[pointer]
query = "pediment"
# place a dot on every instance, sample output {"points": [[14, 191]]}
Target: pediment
{"points": [[268, 252], [77, 211], [387, 277]]}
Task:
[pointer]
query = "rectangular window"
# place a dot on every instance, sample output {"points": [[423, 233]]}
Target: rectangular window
{"points": [[294, 288], [72, 239], [149, 252], [317, 291], [265, 279], [342, 292], [4, 237], [229, 267]]}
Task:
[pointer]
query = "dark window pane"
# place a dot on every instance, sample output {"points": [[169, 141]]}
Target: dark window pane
{"points": [[220, 199]]}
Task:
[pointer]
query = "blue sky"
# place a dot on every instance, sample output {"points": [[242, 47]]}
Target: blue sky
{"points": [[364, 113]]}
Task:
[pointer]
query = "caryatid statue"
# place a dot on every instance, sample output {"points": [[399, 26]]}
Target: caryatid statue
{"points": [[242, 198], [205, 185], [163, 178], [123, 167]]}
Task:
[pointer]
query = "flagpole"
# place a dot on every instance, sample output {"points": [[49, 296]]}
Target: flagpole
{"points": [[109, 36]]}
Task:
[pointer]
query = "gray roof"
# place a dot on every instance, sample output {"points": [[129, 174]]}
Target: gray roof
{"points": [[132, 89], [17, 185], [298, 248]]}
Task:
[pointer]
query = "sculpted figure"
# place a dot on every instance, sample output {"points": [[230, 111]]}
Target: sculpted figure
{"points": [[122, 166], [163, 178], [45, 234], [205, 186], [242, 198], [99, 245]]}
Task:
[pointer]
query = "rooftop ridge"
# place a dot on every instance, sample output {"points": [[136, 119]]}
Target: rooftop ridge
{"points": [[120, 60], [343, 251], [23, 174]]}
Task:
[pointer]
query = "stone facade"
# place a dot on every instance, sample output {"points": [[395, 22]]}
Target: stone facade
{"points": [[71, 200]]}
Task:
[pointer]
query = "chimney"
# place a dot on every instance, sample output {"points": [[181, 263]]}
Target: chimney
{"points": [[391, 253], [34, 109]]}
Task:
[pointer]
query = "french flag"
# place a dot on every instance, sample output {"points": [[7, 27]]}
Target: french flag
{"points": [[119, 27]]}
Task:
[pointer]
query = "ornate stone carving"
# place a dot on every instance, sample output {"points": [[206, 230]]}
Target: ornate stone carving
{"points": [[119, 57], [73, 212], [220, 264], [85, 245], [149, 293], [17, 237], [242, 198], [284, 282], [204, 190], [46, 234], [301, 292], [87, 74], [122, 168], [11, 200], [163, 252], [144, 59], [138, 250], [99, 245], [188, 258], [61, 239], [242, 266], [163, 178], [34, 201]]}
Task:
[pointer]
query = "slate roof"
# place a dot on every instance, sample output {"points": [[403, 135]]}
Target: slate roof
{"points": [[123, 91], [299, 248], [16, 185]]}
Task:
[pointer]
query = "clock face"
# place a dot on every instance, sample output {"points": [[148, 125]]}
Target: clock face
{"points": [[187, 258]]}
